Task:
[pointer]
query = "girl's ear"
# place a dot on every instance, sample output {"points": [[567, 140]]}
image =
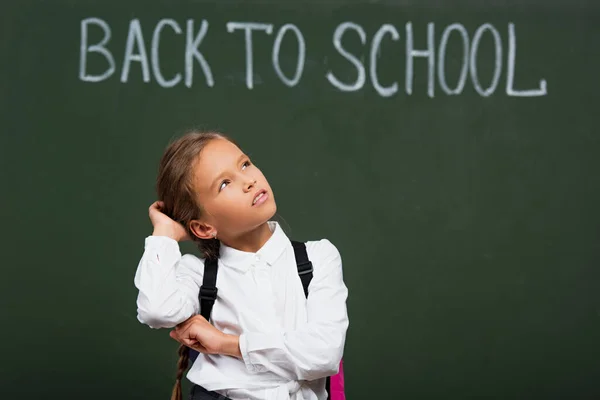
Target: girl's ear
{"points": [[203, 230]]}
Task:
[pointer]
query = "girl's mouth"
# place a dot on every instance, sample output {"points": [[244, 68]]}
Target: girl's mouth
{"points": [[260, 197]]}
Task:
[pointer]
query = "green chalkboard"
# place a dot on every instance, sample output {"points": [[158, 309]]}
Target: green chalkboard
{"points": [[450, 150]]}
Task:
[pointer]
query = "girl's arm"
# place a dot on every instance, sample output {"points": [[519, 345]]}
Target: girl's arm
{"points": [[315, 350], [168, 294]]}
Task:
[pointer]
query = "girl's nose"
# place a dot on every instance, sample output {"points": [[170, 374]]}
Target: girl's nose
{"points": [[250, 184]]}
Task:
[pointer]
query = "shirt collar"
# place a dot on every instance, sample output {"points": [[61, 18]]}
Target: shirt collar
{"points": [[269, 252]]}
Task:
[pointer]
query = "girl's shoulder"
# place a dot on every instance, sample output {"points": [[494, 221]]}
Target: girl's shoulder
{"points": [[322, 251], [321, 246]]}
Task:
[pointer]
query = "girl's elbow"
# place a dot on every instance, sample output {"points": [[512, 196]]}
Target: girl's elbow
{"points": [[333, 366], [329, 369], [319, 371], [156, 317], [163, 314], [328, 365]]}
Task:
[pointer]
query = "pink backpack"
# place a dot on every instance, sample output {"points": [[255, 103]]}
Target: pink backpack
{"points": [[336, 385]]}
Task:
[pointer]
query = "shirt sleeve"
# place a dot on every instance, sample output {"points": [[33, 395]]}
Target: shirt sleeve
{"points": [[315, 349], [168, 293]]}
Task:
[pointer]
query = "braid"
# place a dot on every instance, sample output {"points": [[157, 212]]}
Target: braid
{"points": [[182, 364]]}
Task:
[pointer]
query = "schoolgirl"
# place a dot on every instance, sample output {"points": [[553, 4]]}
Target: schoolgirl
{"points": [[267, 339]]}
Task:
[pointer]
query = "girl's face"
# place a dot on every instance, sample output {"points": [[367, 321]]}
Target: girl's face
{"points": [[234, 194]]}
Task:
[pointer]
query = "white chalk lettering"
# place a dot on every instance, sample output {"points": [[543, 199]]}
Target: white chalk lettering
{"points": [[411, 53], [455, 50], [134, 37], [96, 48], [192, 52], [512, 55], [497, 61], [337, 43], [301, 55], [248, 27], [462, 79], [375, 44], [154, 53]]}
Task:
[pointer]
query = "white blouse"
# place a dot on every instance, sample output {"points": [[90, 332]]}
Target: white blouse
{"points": [[289, 343]]}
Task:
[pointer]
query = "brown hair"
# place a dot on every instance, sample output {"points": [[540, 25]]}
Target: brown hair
{"points": [[174, 187]]}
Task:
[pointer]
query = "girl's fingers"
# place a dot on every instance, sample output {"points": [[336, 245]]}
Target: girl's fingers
{"points": [[185, 341], [157, 204], [198, 347], [189, 342]]}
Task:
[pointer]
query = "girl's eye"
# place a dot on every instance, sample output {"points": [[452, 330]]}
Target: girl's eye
{"points": [[223, 184], [245, 164]]}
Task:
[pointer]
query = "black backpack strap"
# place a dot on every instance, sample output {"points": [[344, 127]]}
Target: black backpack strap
{"points": [[208, 290], [208, 294], [305, 271], [305, 267]]}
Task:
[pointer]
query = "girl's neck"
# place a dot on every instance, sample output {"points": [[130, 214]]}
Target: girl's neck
{"points": [[251, 241]]}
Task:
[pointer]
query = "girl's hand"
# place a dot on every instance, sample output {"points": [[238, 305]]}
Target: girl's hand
{"points": [[198, 334], [165, 226]]}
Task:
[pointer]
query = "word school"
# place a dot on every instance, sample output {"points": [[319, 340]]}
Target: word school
{"points": [[195, 33]]}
